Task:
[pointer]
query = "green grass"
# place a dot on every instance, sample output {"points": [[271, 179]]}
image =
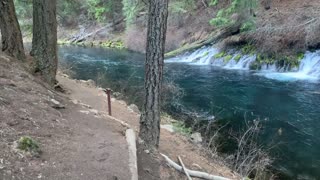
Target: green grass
{"points": [[238, 57]]}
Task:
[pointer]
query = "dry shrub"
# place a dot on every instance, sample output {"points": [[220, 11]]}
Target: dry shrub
{"points": [[313, 35], [135, 38], [278, 40]]}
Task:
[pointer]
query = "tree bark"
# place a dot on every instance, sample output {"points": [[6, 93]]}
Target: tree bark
{"points": [[156, 36], [10, 30], [44, 41]]}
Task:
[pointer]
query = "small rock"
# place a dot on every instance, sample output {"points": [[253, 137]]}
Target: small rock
{"points": [[147, 151], [196, 138], [56, 104], [94, 111], [85, 112], [89, 83], [117, 94], [134, 108], [74, 101], [167, 127]]}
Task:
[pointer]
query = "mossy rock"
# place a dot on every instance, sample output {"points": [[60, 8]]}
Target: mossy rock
{"points": [[237, 57], [27, 144], [220, 55], [205, 54], [227, 58]]}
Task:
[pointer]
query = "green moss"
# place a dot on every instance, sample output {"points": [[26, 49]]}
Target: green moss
{"points": [[27, 144], [227, 58], [238, 57], [220, 55], [205, 54], [300, 56]]}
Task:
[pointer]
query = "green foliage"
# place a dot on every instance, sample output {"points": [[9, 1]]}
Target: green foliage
{"points": [[214, 2], [23, 9], [248, 49], [27, 144], [180, 127], [247, 26], [99, 8], [242, 8], [220, 55], [181, 6], [205, 54], [130, 9], [300, 56]]}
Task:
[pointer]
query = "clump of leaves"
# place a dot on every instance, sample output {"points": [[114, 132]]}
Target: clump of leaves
{"points": [[28, 144]]}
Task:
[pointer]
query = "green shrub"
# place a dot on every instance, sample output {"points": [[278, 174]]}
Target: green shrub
{"points": [[180, 127], [27, 144]]}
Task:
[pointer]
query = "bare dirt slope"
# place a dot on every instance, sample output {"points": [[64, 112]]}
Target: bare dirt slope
{"points": [[171, 144], [75, 142]]}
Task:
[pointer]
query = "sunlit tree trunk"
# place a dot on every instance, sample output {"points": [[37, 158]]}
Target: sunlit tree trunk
{"points": [[157, 26], [44, 42], [10, 30]]}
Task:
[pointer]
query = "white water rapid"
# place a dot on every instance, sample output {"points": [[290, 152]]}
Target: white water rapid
{"points": [[309, 68]]}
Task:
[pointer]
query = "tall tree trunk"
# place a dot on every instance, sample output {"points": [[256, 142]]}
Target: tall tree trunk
{"points": [[157, 27], [44, 41], [10, 30]]}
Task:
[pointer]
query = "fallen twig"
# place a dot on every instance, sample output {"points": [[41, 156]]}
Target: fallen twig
{"points": [[184, 168], [192, 173]]}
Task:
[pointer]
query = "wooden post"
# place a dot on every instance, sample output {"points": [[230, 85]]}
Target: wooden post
{"points": [[108, 91]]}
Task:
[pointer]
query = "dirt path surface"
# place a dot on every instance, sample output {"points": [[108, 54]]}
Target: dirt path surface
{"points": [[77, 143], [172, 144]]}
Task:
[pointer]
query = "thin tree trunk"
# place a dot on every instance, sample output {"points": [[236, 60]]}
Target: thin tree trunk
{"points": [[44, 41], [10, 30], [157, 27]]}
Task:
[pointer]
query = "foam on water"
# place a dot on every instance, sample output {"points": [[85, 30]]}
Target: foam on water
{"points": [[309, 68]]}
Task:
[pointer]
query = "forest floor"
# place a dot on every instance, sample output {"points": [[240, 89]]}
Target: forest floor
{"points": [[76, 138]]}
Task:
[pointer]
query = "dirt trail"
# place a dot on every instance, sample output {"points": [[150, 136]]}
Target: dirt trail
{"points": [[171, 144], [76, 142]]}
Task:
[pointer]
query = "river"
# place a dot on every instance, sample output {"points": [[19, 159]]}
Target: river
{"points": [[287, 102]]}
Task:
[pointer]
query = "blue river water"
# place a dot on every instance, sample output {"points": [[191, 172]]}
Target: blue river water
{"points": [[292, 107]]}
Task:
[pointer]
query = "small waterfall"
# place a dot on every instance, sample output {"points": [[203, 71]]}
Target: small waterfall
{"points": [[309, 67]]}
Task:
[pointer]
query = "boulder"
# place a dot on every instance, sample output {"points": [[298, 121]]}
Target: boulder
{"points": [[196, 138], [134, 108]]}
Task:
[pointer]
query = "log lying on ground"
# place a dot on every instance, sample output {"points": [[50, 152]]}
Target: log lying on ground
{"points": [[80, 38], [192, 173], [214, 37]]}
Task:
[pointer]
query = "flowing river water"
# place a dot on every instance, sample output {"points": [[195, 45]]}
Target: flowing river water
{"points": [[288, 102]]}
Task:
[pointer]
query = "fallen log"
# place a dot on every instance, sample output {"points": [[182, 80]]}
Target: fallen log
{"points": [[81, 38], [192, 173], [184, 168], [214, 37]]}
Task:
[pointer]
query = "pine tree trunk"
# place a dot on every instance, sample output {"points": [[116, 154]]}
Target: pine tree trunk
{"points": [[157, 27], [10, 30], [44, 41]]}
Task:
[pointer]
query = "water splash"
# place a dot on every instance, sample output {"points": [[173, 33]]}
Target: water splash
{"points": [[309, 68]]}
